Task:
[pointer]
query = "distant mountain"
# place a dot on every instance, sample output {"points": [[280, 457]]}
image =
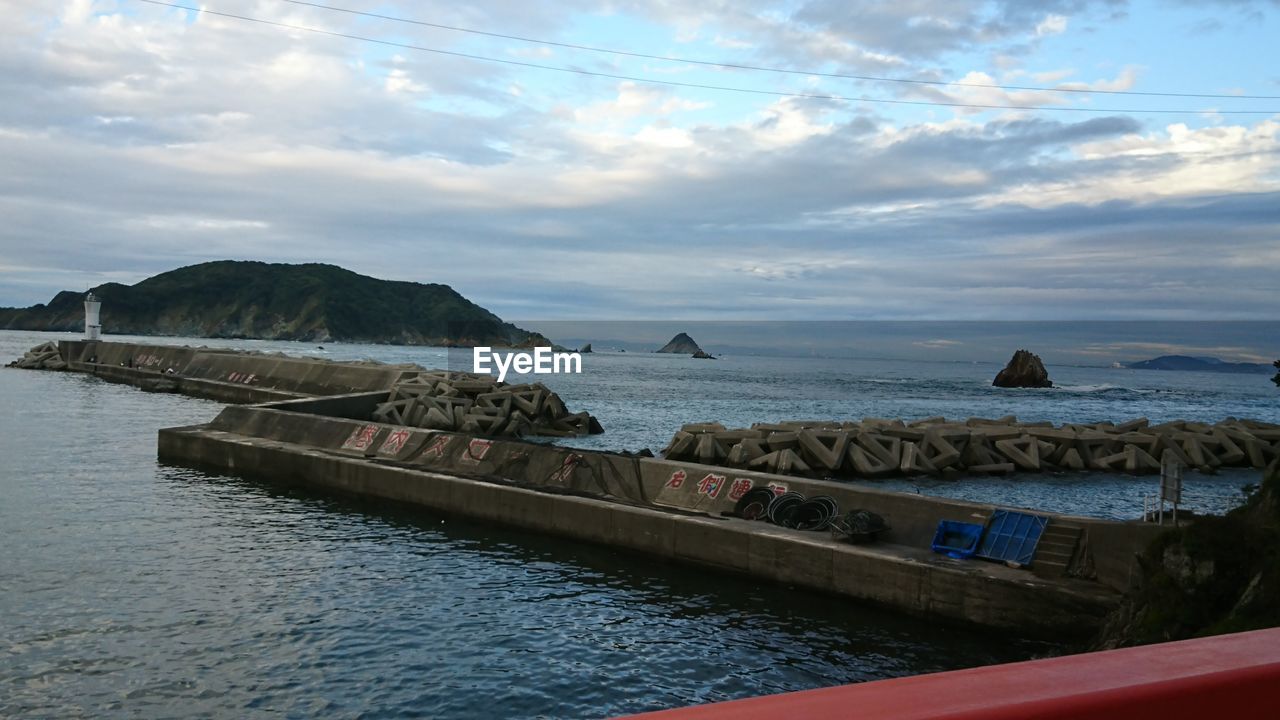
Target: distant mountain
{"points": [[1200, 364], [311, 302], [681, 344]]}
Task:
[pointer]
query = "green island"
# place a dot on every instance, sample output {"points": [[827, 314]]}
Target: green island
{"points": [[275, 301]]}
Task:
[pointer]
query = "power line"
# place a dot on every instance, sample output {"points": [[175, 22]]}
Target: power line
{"points": [[701, 86], [760, 68]]}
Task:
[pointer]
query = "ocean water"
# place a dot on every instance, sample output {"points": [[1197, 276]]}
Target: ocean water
{"points": [[130, 588]]}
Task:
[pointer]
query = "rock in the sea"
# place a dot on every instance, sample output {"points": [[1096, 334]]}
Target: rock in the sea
{"points": [[701, 355], [1023, 371], [681, 344], [586, 348]]}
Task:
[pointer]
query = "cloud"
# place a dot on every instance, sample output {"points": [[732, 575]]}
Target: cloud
{"points": [[1052, 25], [134, 142]]}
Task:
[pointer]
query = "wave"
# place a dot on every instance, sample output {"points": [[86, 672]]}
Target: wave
{"points": [[1101, 387]]}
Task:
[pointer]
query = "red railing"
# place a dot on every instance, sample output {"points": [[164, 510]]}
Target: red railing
{"points": [[1216, 678]]}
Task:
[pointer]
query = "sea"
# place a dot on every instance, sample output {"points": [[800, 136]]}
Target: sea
{"points": [[130, 588]]}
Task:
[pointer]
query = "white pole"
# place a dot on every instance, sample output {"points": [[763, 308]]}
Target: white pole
{"points": [[92, 324]]}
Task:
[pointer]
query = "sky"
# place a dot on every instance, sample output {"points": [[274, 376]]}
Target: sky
{"points": [[136, 138]]}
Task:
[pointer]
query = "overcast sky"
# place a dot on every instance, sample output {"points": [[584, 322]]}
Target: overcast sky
{"points": [[136, 138]]}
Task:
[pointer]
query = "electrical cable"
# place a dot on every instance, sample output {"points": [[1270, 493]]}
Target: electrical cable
{"points": [[702, 86], [762, 68]]}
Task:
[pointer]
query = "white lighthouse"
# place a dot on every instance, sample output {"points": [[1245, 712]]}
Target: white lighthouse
{"points": [[92, 326]]}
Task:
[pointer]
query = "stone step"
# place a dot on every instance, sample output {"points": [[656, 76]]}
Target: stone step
{"points": [[1070, 539], [1049, 568], [1056, 548], [1053, 556]]}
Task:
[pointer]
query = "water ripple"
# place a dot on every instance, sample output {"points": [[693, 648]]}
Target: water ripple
{"points": [[132, 589]]}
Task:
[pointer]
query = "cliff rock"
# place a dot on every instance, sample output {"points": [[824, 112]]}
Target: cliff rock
{"points": [[681, 344], [1023, 371]]}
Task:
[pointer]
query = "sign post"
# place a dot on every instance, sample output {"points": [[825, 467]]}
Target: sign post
{"points": [[1170, 483]]}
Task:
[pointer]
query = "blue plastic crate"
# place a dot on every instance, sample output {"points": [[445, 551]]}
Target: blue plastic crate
{"points": [[957, 539], [1012, 536]]}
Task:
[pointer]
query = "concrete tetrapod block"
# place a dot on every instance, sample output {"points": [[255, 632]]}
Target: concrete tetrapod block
{"points": [[790, 463], [1135, 424], [729, 438], [914, 462], [1256, 454], [1058, 452], [518, 425], [782, 462], [437, 419], [1195, 452], [1229, 452], [499, 400], [681, 446], [1114, 461], [1266, 434], [998, 432], [786, 440], [979, 451], [886, 449], [697, 428], [530, 402], [937, 450], [865, 464], [1023, 452], [1171, 445], [766, 428], [823, 448], [484, 424], [741, 454], [1137, 460], [1093, 448], [1052, 435], [1071, 460], [708, 450], [903, 433]]}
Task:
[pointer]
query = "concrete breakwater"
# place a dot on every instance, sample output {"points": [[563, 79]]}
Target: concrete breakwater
{"points": [[418, 397], [41, 357], [471, 403], [877, 448], [382, 431], [673, 510], [225, 375]]}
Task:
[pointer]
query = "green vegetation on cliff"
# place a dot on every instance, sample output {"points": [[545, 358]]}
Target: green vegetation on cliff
{"points": [[312, 302], [1216, 575]]}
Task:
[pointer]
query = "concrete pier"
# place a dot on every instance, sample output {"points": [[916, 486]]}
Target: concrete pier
{"points": [[663, 509], [351, 428]]}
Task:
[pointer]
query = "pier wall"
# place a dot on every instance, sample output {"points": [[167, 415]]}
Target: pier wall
{"points": [[231, 376], [325, 405], [1109, 548], [909, 579]]}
